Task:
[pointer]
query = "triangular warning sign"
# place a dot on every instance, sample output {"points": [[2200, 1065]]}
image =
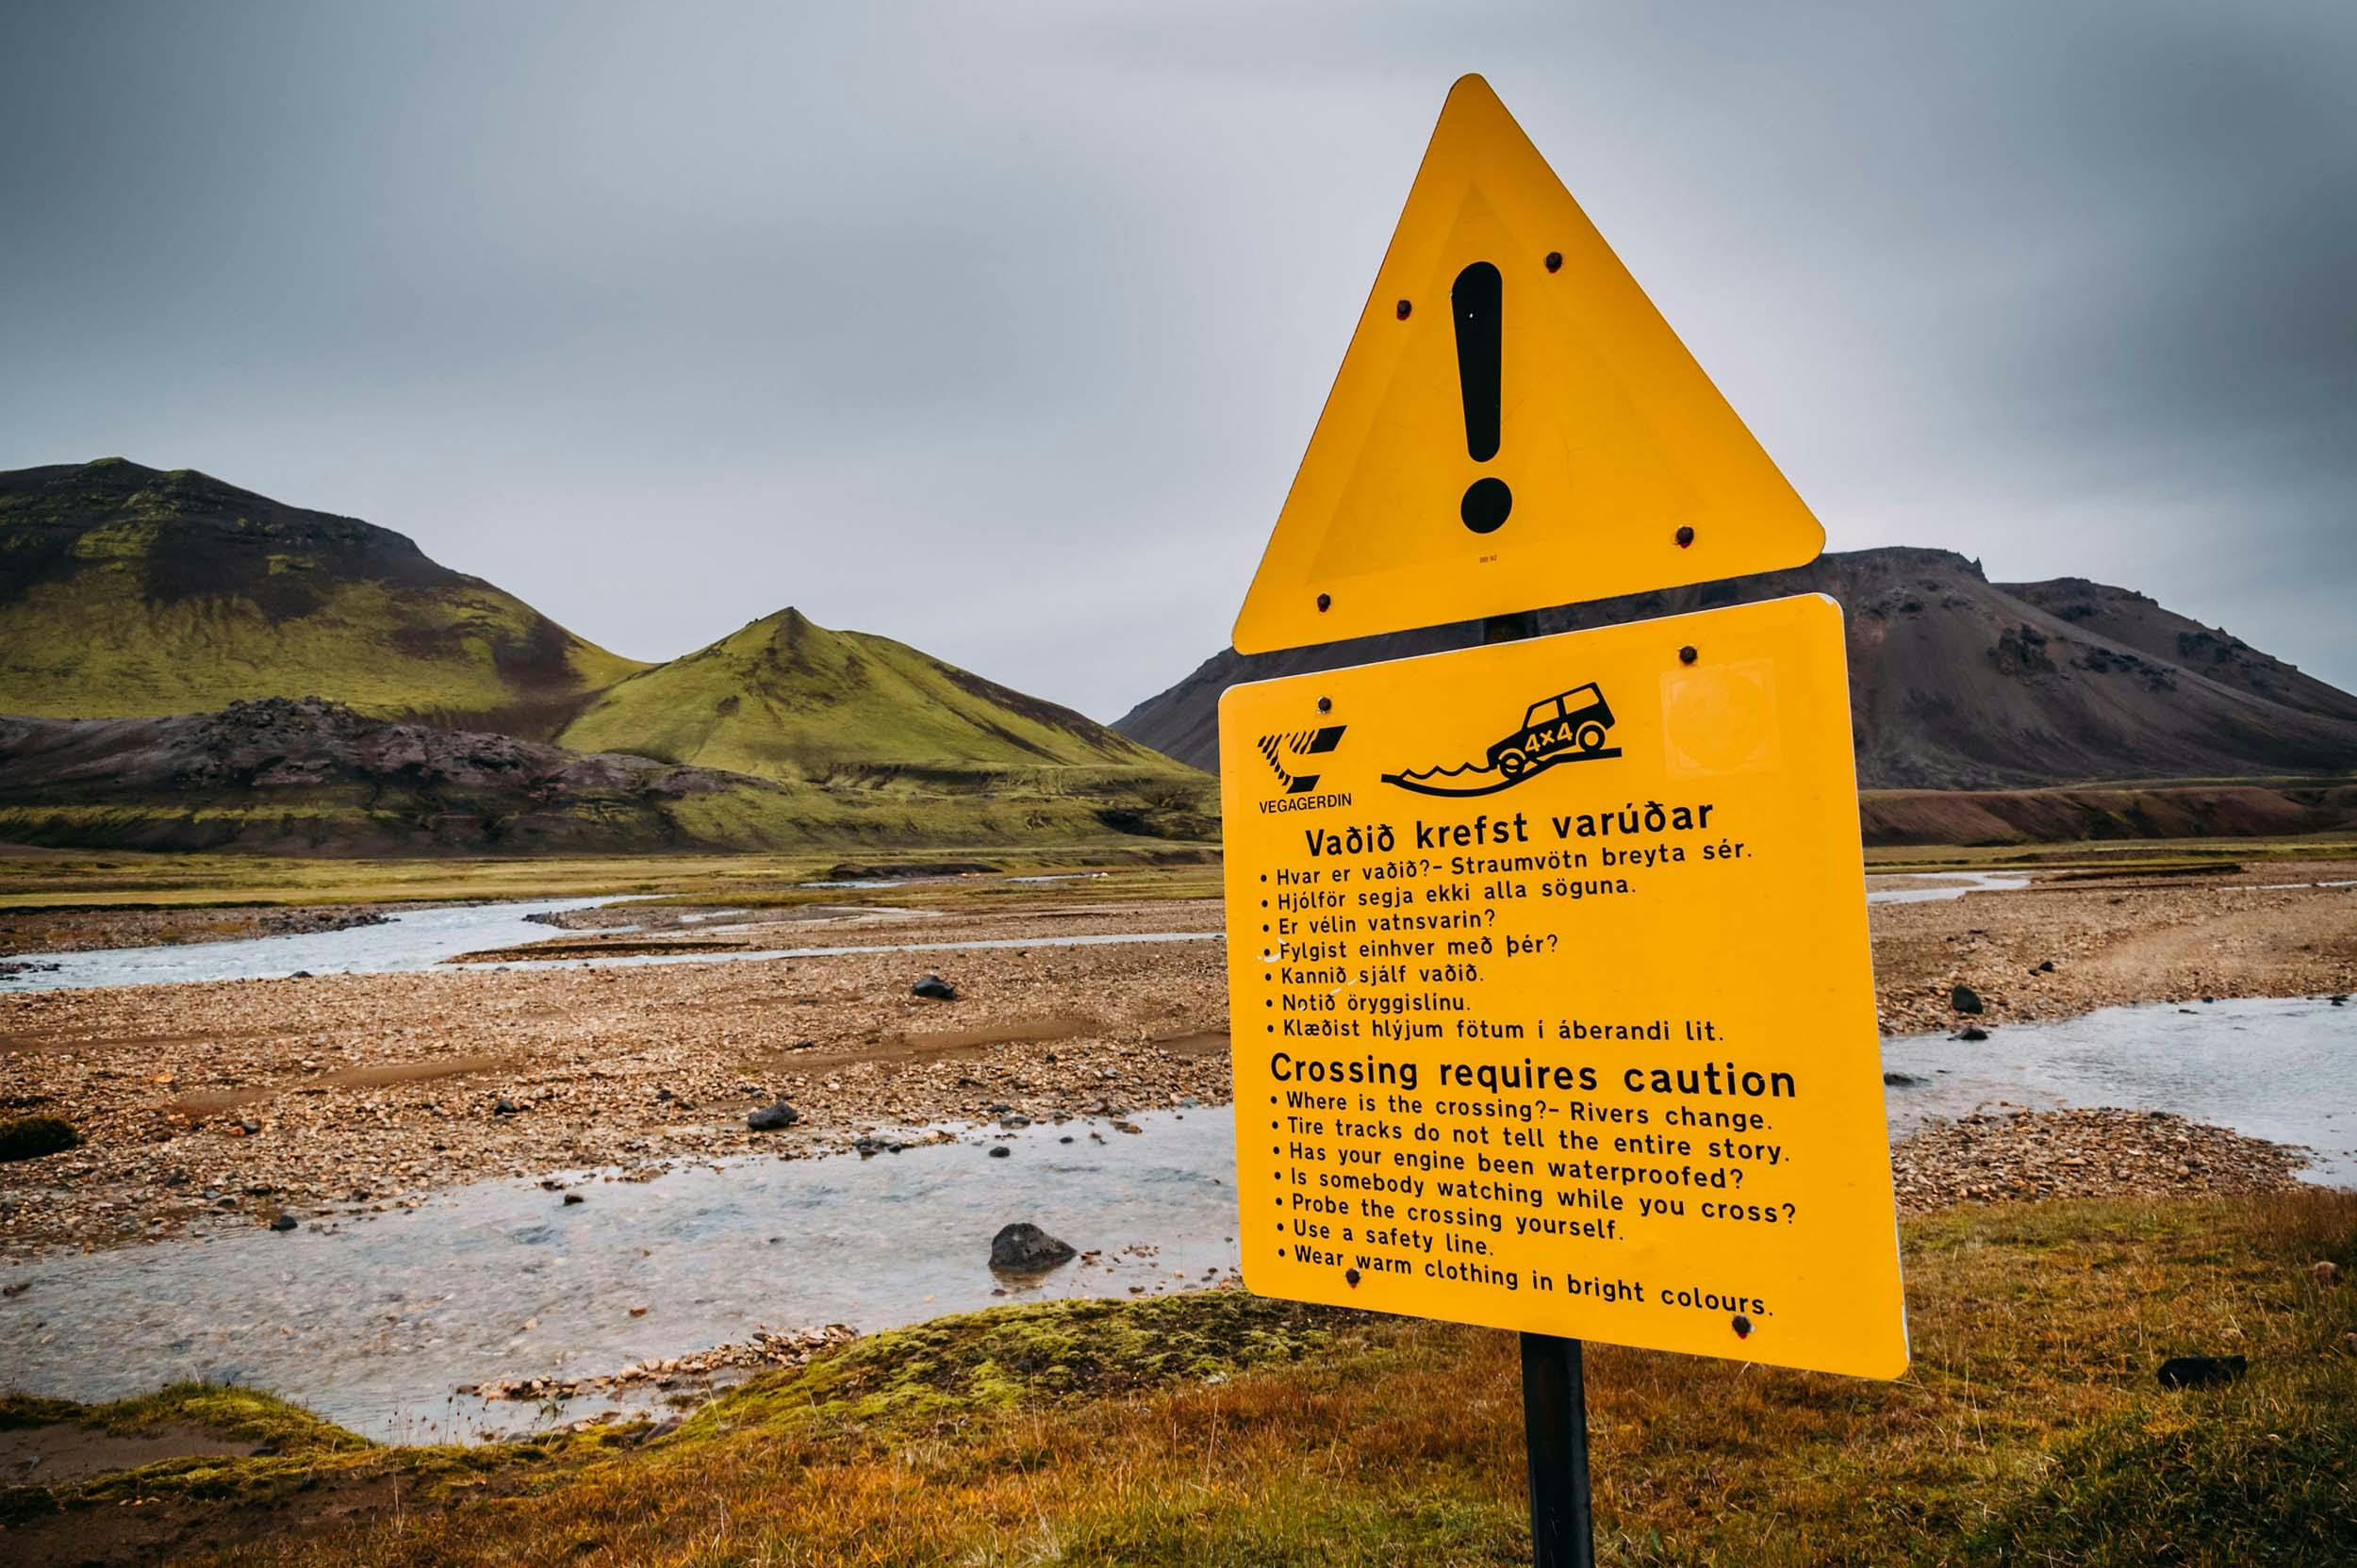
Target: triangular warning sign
{"points": [[1514, 425]]}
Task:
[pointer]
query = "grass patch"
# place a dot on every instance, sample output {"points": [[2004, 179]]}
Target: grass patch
{"points": [[906, 1380], [245, 1414], [298, 1454], [31, 1137], [1217, 1429]]}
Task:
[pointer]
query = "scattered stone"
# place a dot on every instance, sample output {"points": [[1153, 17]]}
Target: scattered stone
{"points": [[2062, 1154], [1128, 1127], [16, 1289], [767, 1348], [2201, 1371], [571, 1199], [1972, 1033], [505, 1107], [999, 1151], [1904, 1080], [284, 1222], [934, 988], [1964, 1000], [309, 922], [1025, 1249], [2047, 967], [769, 1118]]}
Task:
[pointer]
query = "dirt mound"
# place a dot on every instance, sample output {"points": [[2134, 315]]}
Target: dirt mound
{"points": [[313, 775], [1955, 683]]}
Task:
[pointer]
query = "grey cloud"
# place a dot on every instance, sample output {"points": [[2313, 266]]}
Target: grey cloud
{"points": [[1000, 329]]}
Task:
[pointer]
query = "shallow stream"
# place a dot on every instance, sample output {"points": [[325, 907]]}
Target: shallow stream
{"points": [[414, 939], [2280, 1070], [373, 1322]]}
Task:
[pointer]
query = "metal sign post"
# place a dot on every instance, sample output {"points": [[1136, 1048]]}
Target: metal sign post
{"points": [[1555, 1430]]}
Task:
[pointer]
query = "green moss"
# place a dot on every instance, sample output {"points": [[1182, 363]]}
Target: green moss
{"points": [[243, 1415], [1050, 1352], [297, 1451], [172, 593], [31, 1137]]}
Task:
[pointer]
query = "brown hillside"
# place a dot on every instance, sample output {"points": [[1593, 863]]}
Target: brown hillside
{"points": [[2135, 620], [1955, 683]]}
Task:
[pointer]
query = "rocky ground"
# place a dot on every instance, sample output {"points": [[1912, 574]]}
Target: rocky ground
{"points": [[2051, 1154], [342, 1093], [2279, 930], [50, 930], [237, 1101]]}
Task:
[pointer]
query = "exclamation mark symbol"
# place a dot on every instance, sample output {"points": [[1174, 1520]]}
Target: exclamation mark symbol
{"points": [[1478, 300]]}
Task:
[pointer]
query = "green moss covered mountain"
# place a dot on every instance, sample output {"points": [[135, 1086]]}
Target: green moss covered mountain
{"points": [[127, 592], [785, 698]]}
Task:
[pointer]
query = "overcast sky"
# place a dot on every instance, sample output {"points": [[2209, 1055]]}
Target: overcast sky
{"points": [[1000, 329]]}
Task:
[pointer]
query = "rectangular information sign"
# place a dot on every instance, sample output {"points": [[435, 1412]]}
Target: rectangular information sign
{"points": [[1550, 994]]}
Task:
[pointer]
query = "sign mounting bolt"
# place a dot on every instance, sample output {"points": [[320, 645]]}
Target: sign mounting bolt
{"points": [[1325, 704], [1326, 603], [1403, 309], [1555, 261], [1687, 654], [1685, 537]]}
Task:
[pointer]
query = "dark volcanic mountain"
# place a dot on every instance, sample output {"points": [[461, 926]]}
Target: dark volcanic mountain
{"points": [[126, 591], [312, 776], [1955, 683], [2132, 620]]}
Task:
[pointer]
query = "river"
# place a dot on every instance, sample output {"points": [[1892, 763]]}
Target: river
{"points": [[425, 939], [375, 1321]]}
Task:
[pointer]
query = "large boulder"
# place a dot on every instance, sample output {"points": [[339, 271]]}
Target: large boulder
{"points": [[1025, 1249]]}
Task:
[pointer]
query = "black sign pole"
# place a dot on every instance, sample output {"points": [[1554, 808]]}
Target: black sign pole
{"points": [[1555, 1422]]}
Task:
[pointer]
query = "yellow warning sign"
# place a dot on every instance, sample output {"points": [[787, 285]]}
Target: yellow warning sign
{"points": [[1514, 425], [1550, 994]]}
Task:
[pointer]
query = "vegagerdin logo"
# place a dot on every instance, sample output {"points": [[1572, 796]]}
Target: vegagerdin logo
{"points": [[1285, 753]]}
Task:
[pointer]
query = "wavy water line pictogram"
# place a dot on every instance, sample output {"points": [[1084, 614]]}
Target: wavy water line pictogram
{"points": [[1419, 779]]}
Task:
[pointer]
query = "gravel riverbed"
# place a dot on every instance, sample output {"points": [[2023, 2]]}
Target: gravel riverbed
{"points": [[231, 1102]]}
